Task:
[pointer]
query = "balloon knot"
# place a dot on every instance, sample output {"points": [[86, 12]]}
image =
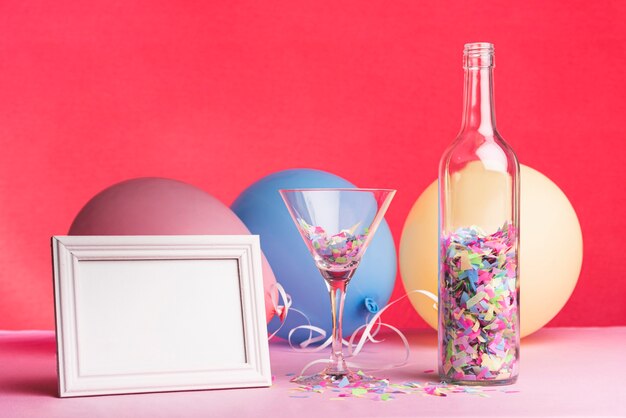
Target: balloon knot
{"points": [[371, 305]]}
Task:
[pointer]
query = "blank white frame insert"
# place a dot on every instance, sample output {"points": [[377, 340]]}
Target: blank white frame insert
{"points": [[159, 313]]}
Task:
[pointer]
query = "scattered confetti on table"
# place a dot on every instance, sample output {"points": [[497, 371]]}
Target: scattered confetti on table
{"points": [[478, 302], [336, 250], [385, 391]]}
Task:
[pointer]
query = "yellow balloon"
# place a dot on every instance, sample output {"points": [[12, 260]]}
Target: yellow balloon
{"points": [[551, 251]]}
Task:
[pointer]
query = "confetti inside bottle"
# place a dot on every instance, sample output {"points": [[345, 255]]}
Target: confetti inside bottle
{"points": [[479, 240]]}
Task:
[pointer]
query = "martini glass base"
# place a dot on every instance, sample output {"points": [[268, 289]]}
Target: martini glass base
{"points": [[327, 379]]}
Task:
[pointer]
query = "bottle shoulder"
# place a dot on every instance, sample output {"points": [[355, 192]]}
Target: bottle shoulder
{"points": [[491, 150]]}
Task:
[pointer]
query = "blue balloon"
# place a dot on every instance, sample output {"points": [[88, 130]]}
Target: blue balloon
{"points": [[262, 209]]}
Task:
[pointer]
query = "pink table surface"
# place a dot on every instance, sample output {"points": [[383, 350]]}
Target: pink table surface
{"points": [[564, 372]]}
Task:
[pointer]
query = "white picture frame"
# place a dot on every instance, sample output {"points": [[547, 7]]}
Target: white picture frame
{"points": [[159, 313]]}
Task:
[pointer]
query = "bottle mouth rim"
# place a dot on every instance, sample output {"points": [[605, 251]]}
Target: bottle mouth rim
{"points": [[479, 48], [478, 55]]}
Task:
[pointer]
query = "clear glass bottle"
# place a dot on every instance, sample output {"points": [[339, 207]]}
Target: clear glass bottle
{"points": [[479, 240]]}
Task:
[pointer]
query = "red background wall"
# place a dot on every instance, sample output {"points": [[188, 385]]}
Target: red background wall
{"points": [[219, 94]]}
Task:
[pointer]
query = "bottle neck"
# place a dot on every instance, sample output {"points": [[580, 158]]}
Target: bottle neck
{"points": [[478, 108]]}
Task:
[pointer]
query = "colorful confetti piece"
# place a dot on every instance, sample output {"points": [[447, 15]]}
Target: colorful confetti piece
{"points": [[434, 390], [479, 305]]}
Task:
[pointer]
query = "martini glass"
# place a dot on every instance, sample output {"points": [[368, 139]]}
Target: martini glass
{"points": [[337, 225]]}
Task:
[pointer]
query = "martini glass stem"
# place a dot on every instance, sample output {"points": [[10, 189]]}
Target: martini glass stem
{"points": [[337, 289]]}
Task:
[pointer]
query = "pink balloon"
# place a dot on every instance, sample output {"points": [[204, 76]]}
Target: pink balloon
{"points": [[157, 206]]}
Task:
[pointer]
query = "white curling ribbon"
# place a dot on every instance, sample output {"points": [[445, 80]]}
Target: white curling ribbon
{"points": [[303, 346], [373, 333], [281, 310], [370, 330]]}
